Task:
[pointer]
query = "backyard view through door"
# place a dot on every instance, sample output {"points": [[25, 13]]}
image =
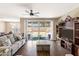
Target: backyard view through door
{"points": [[38, 29]]}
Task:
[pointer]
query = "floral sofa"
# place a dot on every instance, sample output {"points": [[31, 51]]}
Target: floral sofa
{"points": [[9, 44]]}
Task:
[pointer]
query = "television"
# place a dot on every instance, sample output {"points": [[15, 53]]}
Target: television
{"points": [[67, 33]]}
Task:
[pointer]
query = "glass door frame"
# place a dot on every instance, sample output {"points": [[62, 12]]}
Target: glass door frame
{"points": [[26, 22]]}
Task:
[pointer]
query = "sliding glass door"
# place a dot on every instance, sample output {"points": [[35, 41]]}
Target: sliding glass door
{"points": [[38, 29]]}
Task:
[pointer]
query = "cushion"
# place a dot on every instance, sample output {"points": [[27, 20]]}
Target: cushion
{"points": [[2, 49], [14, 48], [17, 37], [11, 37], [4, 41], [7, 42], [1, 44]]}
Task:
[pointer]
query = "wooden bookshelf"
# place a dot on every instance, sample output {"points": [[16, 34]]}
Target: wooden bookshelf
{"points": [[76, 29], [65, 32], [72, 46], [75, 47], [76, 37], [76, 33]]}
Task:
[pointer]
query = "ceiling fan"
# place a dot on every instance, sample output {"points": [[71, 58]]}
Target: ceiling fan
{"points": [[31, 13]]}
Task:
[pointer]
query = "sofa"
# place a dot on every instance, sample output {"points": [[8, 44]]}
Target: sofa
{"points": [[10, 43]]}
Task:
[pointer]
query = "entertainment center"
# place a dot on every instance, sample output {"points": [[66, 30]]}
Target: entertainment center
{"points": [[68, 32]]}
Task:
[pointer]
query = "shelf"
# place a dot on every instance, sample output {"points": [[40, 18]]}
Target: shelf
{"points": [[77, 37], [58, 38], [76, 29], [77, 45], [60, 27], [66, 41], [68, 28]]}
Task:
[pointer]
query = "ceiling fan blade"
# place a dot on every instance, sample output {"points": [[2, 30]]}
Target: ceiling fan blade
{"points": [[36, 13], [27, 11], [25, 14]]}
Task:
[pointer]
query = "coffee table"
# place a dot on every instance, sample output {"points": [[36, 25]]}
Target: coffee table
{"points": [[43, 48]]}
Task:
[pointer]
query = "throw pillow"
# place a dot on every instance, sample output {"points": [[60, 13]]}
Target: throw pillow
{"points": [[2, 40], [19, 37], [15, 37], [11, 38], [7, 42]]}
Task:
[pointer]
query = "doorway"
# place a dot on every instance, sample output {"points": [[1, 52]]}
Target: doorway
{"points": [[38, 29]]}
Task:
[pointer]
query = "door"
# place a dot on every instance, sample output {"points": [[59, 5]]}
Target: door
{"points": [[38, 29]]}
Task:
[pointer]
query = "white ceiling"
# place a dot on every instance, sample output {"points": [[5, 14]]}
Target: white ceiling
{"points": [[16, 10], [54, 10]]}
